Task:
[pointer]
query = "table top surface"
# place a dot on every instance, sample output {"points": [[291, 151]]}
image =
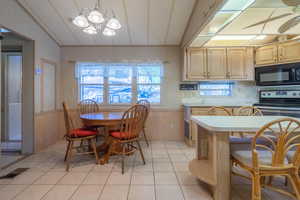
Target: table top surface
{"points": [[234, 123], [102, 116]]}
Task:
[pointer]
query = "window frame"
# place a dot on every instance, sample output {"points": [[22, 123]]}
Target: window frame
{"points": [[79, 84], [134, 83]]}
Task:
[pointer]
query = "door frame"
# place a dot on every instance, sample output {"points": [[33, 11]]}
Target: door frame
{"points": [[28, 94], [6, 105]]}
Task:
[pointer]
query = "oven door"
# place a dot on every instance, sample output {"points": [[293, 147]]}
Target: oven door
{"points": [[275, 75], [280, 111]]}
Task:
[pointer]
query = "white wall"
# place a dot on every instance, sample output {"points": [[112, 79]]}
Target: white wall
{"points": [[13, 17], [172, 69]]}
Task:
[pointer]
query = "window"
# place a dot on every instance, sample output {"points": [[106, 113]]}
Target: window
{"points": [[148, 83], [216, 89], [119, 83], [91, 82]]}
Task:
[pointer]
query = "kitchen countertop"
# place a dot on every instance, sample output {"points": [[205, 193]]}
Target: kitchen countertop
{"points": [[234, 123], [214, 104]]}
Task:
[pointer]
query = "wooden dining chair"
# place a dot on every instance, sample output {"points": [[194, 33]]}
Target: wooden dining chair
{"points": [[147, 104], [123, 142], [88, 106], [76, 132], [270, 159]]}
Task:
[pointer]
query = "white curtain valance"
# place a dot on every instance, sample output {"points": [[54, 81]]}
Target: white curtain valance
{"points": [[106, 65]]}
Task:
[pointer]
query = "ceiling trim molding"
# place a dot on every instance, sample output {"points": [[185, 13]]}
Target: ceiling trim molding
{"points": [[38, 23], [121, 45], [189, 21], [169, 21]]}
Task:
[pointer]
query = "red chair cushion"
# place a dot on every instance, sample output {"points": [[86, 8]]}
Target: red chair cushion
{"points": [[121, 135], [81, 132]]}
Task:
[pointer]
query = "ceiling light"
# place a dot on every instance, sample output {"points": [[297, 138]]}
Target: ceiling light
{"points": [[93, 21], [81, 21], [114, 24], [238, 37], [90, 30], [96, 17], [109, 32]]}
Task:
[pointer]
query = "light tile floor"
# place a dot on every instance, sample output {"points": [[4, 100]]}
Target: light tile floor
{"points": [[164, 177]]}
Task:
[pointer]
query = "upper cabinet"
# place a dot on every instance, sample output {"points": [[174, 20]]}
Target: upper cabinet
{"points": [[236, 60], [219, 64], [289, 52], [278, 53], [216, 63], [196, 64], [266, 55]]}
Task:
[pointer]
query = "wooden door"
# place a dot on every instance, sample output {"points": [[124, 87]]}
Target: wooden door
{"points": [[289, 52], [197, 65], [236, 63], [216, 63], [266, 55]]}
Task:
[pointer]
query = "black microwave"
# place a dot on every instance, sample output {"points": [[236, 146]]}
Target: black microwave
{"points": [[281, 74]]}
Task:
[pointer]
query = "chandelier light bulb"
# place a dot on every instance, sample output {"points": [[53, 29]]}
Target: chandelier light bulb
{"points": [[109, 32], [96, 17], [81, 21], [114, 24], [90, 30]]}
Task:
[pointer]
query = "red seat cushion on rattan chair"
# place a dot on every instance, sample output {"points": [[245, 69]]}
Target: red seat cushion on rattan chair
{"points": [[121, 135], [82, 132]]}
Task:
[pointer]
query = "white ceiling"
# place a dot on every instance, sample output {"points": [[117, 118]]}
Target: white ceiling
{"points": [[145, 22]]}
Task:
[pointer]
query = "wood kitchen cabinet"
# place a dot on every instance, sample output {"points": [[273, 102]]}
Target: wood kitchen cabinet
{"points": [[289, 52], [216, 64], [236, 62], [196, 64], [266, 55], [219, 64]]}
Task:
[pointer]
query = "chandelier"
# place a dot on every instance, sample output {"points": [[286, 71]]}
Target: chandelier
{"points": [[94, 21]]}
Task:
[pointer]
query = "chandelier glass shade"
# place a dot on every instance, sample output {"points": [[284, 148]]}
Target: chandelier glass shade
{"points": [[94, 21]]}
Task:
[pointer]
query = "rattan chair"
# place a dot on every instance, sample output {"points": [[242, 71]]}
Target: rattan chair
{"points": [[220, 111], [147, 104], [76, 132], [123, 142], [270, 159]]}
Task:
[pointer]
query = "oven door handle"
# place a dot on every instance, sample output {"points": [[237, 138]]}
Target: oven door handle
{"points": [[290, 109]]}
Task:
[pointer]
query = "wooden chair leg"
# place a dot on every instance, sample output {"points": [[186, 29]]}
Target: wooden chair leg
{"points": [[141, 151], [67, 150], [123, 157], [145, 136], [93, 144], [256, 187], [69, 156], [294, 177]]}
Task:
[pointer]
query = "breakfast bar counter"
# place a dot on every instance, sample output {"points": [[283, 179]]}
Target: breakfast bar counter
{"points": [[212, 162]]}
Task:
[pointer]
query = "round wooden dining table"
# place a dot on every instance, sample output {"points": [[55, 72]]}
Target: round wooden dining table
{"points": [[107, 120]]}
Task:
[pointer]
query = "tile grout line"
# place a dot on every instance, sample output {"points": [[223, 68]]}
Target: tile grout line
{"points": [[105, 183], [172, 163], [155, 192]]}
